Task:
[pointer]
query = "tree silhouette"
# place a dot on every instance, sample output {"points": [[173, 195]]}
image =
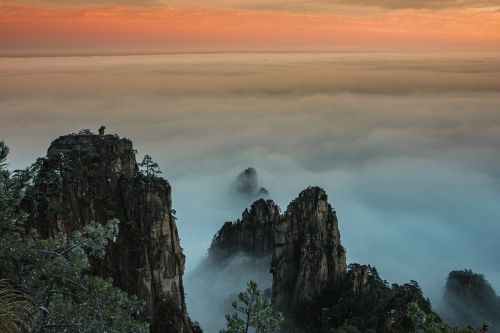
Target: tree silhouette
{"points": [[102, 129], [257, 314], [148, 167]]}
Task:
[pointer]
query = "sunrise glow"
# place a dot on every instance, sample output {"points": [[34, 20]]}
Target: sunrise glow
{"points": [[40, 29]]}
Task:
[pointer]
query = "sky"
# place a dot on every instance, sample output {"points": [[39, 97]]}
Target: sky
{"points": [[407, 146], [78, 27]]}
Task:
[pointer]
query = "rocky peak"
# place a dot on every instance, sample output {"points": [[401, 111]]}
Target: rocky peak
{"points": [[247, 185], [470, 299], [247, 181], [304, 243], [95, 177], [110, 151], [252, 235], [307, 254], [311, 284], [469, 286]]}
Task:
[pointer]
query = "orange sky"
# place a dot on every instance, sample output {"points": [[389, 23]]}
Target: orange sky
{"points": [[27, 28]]}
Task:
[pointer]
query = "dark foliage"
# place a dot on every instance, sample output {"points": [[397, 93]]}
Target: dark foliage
{"points": [[470, 298], [50, 288], [376, 306]]}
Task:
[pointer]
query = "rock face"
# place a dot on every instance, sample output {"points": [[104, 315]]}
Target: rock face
{"points": [[307, 254], [470, 299], [311, 284], [95, 177], [252, 235], [357, 278], [304, 243]]}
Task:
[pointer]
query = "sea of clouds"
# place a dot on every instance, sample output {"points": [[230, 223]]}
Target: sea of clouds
{"points": [[406, 145]]}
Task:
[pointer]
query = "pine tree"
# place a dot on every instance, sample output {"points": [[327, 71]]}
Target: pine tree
{"points": [[149, 168], [257, 314], [45, 285]]}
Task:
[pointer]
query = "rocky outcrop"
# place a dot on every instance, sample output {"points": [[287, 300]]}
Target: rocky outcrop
{"points": [[470, 299], [357, 278], [251, 236], [95, 177], [247, 185], [307, 254], [247, 181], [311, 284], [304, 244]]}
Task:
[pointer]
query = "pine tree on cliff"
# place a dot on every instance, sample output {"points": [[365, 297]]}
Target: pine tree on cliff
{"points": [[15, 305], [49, 288], [149, 168], [257, 313]]}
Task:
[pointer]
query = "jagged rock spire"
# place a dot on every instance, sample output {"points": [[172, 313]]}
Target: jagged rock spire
{"points": [[307, 252], [252, 235]]}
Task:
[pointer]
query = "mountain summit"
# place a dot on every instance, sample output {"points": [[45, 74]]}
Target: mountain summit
{"points": [[87, 177]]}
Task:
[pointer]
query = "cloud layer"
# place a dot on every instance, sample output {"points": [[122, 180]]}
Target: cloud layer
{"points": [[406, 145]]}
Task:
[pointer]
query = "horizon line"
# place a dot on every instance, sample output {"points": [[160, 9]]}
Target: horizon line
{"points": [[175, 53]]}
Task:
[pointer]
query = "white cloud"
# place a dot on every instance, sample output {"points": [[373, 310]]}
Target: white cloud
{"points": [[407, 146]]}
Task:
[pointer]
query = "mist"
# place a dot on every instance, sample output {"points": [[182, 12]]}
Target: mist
{"points": [[407, 147], [212, 287]]}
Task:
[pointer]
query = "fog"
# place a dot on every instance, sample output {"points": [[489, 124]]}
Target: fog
{"points": [[406, 145], [211, 288]]}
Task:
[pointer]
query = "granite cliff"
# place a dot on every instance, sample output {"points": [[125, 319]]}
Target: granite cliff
{"points": [[251, 236], [88, 177], [307, 253], [304, 244], [311, 282]]}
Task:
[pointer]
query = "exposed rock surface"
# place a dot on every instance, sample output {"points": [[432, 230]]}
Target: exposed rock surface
{"points": [[252, 235], [95, 177], [307, 252], [357, 278], [304, 243], [312, 286]]}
